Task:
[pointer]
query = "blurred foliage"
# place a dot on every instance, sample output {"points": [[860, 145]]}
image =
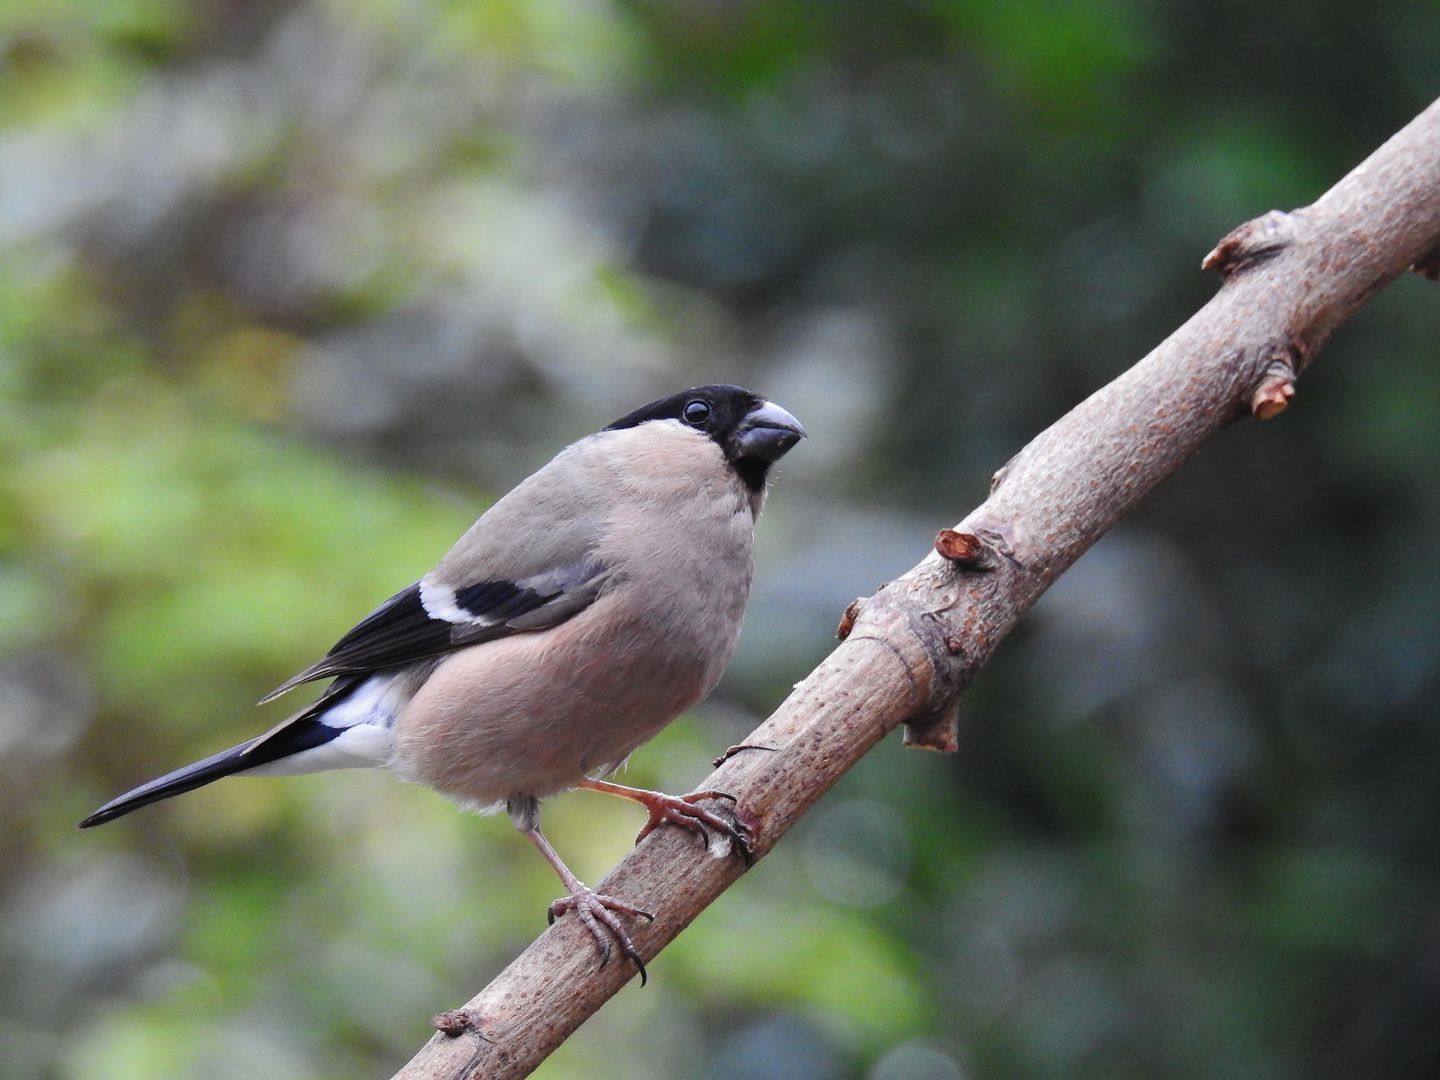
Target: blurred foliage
{"points": [[290, 289]]}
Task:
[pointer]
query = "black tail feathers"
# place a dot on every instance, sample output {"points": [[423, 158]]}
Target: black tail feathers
{"points": [[178, 782], [303, 731]]}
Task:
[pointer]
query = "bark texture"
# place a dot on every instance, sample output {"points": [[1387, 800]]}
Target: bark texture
{"points": [[909, 651]]}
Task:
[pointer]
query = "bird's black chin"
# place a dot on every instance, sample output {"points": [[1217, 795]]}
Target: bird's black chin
{"points": [[753, 472]]}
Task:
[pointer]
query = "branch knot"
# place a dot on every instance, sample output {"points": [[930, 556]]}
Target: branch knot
{"points": [[1257, 240], [963, 549], [1277, 387]]}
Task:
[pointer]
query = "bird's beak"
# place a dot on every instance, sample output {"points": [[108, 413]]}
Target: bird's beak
{"points": [[769, 432]]}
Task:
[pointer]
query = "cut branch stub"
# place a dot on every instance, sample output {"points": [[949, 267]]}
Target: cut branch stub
{"points": [[1275, 390], [961, 548], [1428, 265], [939, 732], [1253, 242], [848, 617], [453, 1022]]}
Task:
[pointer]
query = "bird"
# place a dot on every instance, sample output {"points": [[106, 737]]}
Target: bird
{"points": [[581, 613]]}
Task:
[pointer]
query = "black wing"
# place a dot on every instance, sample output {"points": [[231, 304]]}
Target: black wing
{"points": [[402, 631]]}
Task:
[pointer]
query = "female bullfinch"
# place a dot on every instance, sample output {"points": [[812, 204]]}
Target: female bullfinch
{"points": [[583, 612]]}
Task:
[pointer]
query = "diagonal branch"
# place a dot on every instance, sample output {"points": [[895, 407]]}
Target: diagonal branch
{"points": [[909, 651]]}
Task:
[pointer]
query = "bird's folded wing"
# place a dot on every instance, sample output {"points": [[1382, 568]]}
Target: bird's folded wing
{"points": [[558, 577]]}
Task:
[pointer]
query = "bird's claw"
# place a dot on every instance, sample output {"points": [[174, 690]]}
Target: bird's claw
{"points": [[597, 912], [682, 810]]}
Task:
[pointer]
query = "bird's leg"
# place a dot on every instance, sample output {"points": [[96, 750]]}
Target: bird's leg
{"points": [[681, 810], [595, 910]]}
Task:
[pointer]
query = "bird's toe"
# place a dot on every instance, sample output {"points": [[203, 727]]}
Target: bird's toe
{"points": [[683, 810], [598, 913]]}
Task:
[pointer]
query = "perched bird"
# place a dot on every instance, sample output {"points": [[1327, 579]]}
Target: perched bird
{"points": [[577, 617]]}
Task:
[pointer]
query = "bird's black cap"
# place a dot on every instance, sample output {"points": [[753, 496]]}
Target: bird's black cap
{"points": [[752, 432]]}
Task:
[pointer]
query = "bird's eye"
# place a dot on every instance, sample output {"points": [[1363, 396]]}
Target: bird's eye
{"points": [[696, 413]]}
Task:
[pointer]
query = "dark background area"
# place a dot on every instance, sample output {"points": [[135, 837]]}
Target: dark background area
{"points": [[290, 291]]}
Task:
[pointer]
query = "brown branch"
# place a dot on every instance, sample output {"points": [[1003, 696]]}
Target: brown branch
{"points": [[908, 652]]}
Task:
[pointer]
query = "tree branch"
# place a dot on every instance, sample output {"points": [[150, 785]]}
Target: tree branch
{"points": [[909, 651]]}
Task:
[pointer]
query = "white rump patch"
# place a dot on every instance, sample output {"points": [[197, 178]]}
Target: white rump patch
{"points": [[366, 718], [378, 700]]}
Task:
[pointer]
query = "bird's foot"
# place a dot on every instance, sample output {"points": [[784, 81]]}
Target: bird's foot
{"points": [[682, 810], [729, 833], [597, 912]]}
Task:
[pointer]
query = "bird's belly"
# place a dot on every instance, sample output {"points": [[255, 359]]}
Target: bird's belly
{"points": [[535, 713]]}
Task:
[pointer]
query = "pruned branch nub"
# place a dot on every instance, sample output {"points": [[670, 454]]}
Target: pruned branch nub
{"points": [[1273, 395], [1428, 265], [939, 732], [1259, 239], [963, 549]]}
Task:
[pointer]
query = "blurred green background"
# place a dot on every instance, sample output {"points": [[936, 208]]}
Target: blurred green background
{"points": [[291, 289]]}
